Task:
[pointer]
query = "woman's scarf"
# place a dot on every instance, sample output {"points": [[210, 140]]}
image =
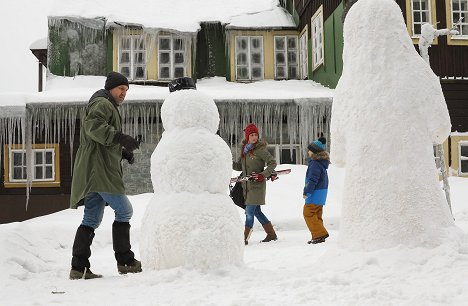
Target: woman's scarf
{"points": [[247, 148]]}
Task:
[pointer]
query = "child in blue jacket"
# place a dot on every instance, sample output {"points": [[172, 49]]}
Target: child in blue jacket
{"points": [[316, 189]]}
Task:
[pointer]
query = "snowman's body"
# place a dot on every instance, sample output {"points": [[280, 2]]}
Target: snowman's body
{"points": [[387, 112], [191, 221]]}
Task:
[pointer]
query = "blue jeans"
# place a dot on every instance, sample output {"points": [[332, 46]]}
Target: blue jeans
{"points": [[250, 212], [94, 205]]}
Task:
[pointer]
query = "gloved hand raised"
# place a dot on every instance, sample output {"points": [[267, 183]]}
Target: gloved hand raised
{"points": [[128, 156], [126, 141], [258, 177]]}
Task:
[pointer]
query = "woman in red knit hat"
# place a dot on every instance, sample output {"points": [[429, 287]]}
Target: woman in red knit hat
{"points": [[253, 158]]}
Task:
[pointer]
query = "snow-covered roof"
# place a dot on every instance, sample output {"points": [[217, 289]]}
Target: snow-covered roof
{"points": [[12, 104], [78, 90], [277, 17], [39, 44], [179, 15]]}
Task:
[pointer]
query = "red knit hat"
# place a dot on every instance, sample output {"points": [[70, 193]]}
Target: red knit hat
{"points": [[249, 129]]}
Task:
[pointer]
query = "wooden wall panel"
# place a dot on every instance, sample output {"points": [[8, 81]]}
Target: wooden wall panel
{"points": [[13, 207], [456, 96]]}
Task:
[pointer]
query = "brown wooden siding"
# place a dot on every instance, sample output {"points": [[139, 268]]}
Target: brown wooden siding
{"points": [[14, 206], [456, 96], [44, 200]]}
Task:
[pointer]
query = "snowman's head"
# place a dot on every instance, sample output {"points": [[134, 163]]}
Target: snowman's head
{"points": [[189, 108]]}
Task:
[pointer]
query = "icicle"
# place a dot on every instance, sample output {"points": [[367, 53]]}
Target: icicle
{"points": [[27, 144], [306, 119]]}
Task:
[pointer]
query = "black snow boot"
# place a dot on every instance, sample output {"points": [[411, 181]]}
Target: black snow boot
{"points": [[126, 262], [81, 253]]}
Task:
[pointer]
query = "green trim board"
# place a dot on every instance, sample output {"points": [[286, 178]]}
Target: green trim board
{"points": [[109, 51], [329, 73]]}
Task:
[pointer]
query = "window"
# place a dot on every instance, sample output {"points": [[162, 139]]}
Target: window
{"points": [[317, 38], [421, 13], [304, 54], [172, 57], [463, 157], [286, 61], [132, 57], [437, 159], [249, 58], [460, 10], [286, 154], [45, 166]]}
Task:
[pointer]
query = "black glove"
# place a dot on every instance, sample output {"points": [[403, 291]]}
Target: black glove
{"points": [[128, 156], [126, 141]]}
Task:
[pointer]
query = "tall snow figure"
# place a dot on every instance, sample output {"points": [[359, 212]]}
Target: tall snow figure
{"points": [[190, 221], [387, 112]]}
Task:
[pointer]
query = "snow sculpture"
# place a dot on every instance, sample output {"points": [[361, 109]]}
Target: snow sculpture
{"points": [[387, 112], [428, 34], [191, 221]]}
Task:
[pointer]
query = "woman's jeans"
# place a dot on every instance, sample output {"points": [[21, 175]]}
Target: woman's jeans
{"points": [[94, 205], [250, 212]]}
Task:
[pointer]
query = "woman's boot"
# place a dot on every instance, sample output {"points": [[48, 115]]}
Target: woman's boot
{"points": [[247, 232], [271, 235]]}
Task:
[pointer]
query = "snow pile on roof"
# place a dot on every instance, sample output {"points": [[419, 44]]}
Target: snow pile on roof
{"points": [[12, 104], [80, 88], [39, 44], [179, 15], [278, 17]]}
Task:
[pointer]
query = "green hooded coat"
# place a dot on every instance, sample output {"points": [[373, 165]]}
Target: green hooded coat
{"points": [[97, 164], [255, 161]]}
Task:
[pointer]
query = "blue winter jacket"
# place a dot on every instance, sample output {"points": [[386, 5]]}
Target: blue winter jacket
{"points": [[316, 182]]}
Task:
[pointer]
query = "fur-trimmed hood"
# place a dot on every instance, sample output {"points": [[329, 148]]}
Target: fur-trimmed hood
{"points": [[323, 155]]}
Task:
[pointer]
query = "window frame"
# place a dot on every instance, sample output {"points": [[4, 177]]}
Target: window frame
{"points": [[409, 20], [455, 39], [249, 64], [172, 54], [420, 11], [278, 148], [285, 52], [304, 54], [132, 65], [10, 182], [461, 158], [317, 40], [437, 159]]}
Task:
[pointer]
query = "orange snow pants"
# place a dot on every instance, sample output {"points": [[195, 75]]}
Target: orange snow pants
{"points": [[313, 218]]}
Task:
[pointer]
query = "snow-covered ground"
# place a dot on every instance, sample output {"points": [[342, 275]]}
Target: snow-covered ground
{"points": [[35, 259]]}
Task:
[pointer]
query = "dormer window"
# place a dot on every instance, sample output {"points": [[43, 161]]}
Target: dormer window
{"points": [[317, 38], [304, 54], [132, 57], [286, 57], [249, 58], [171, 57]]}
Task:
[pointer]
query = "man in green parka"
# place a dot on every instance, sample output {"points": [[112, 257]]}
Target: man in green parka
{"points": [[97, 178]]}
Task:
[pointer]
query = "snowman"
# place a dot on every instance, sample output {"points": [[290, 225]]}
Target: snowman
{"points": [[190, 221], [387, 113]]}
